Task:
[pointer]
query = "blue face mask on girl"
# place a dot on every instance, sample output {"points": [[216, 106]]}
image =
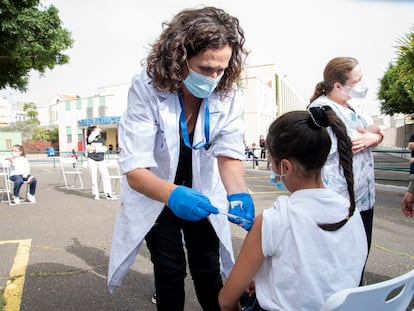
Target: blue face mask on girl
{"points": [[276, 180], [199, 85]]}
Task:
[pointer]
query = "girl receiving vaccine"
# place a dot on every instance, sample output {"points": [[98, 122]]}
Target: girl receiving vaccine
{"points": [[307, 245]]}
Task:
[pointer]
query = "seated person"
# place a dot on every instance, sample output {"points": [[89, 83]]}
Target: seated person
{"points": [[20, 173], [311, 243]]}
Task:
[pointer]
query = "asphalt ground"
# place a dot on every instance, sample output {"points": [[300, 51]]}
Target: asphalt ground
{"points": [[54, 253]]}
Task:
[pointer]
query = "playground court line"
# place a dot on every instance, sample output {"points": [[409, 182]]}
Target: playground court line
{"points": [[14, 288]]}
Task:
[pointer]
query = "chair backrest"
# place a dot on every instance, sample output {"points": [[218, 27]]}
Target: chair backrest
{"points": [[5, 164], [70, 167], [391, 295], [68, 160], [113, 164], [5, 168]]}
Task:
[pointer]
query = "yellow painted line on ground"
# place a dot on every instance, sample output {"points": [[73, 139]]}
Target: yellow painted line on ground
{"points": [[14, 288], [393, 252]]}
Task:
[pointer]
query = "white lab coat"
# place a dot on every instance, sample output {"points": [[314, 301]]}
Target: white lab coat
{"points": [[149, 138]]}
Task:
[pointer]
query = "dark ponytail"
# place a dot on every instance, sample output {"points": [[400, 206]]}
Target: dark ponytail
{"points": [[302, 136], [326, 115]]}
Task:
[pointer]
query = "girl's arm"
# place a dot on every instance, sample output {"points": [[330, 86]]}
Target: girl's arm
{"points": [[245, 268]]}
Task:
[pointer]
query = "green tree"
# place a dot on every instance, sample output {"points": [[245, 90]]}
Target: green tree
{"points": [[54, 135], [406, 54], [40, 133], [31, 110], [395, 92], [397, 85], [31, 37], [48, 134]]}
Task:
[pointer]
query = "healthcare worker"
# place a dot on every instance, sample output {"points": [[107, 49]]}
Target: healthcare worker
{"points": [[343, 85], [181, 141]]}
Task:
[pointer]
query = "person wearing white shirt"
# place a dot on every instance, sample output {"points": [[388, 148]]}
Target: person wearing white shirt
{"points": [[307, 246], [343, 89], [20, 173], [96, 162], [181, 142]]}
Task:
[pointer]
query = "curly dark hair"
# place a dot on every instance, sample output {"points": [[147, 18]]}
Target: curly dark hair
{"points": [[188, 34]]}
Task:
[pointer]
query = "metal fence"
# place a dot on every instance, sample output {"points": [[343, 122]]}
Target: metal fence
{"points": [[390, 164], [43, 159], [393, 162]]}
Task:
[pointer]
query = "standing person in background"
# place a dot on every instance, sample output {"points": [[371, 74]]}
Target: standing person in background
{"points": [[343, 81], [20, 173], [96, 155], [262, 144], [255, 153], [310, 244], [408, 199], [181, 141], [74, 155]]}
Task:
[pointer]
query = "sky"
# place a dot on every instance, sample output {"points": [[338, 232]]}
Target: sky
{"points": [[112, 37]]}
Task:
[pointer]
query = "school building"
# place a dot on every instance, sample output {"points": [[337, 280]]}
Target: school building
{"points": [[264, 95]]}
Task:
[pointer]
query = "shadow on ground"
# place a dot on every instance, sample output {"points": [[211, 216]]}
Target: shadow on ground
{"points": [[52, 286]]}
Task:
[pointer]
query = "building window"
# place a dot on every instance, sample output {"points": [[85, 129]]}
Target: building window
{"points": [[9, 144], [89, 108], [102, 106], [69, 134], [67, 105], [79, 104], [80, 135]]}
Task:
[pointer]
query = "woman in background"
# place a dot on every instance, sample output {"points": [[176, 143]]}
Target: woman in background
{"points": [[342, 83], [20, 173], [96, 155]]}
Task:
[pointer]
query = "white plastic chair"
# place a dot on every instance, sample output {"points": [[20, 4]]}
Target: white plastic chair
{"points": [[70, 167], [4, 179], [391, 295], [114, 173]]}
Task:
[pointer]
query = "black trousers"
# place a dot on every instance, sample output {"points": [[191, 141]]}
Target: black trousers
{"points": [[367, 218], [165, 243]]}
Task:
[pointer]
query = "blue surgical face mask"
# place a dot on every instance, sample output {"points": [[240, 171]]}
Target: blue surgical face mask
{"points": [[199, 85], [276, 180]]}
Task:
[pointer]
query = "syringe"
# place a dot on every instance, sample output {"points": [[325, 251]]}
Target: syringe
{"points": [[237, 217]]}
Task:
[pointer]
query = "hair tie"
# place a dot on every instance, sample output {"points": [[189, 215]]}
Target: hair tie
{"points": [[323, 83], [313, 118], [318, 115]]}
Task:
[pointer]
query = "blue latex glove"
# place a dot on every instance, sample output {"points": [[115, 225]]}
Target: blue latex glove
{"points": [[241, 204], [189, 204]]}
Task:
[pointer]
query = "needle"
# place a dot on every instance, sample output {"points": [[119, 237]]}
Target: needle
{"points": [[236, 217]]}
